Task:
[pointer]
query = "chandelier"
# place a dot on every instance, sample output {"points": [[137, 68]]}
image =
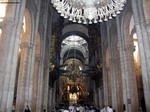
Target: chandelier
{"points": [[88, 11]]}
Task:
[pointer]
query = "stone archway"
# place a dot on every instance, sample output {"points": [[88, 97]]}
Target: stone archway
{"points": [[137, 65], [26, 28], [130, 95]]}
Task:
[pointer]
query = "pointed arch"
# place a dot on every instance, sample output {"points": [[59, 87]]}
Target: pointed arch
{"points": [[27, 27]]}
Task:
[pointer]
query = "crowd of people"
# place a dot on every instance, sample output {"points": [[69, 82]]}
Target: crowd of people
{"points": [[76, 108], [82, 108]]}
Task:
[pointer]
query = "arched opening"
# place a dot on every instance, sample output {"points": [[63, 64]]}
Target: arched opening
{"points": [[137, 65], [26, 28], [74, 42], [3, 7], [130, 61], [73, 53]]}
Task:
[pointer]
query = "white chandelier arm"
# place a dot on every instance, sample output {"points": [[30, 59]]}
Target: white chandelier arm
{"points": [[88, 12]]}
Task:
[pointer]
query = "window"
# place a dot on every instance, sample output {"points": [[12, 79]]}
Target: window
{"points": [[2, 9], [136, 52]]}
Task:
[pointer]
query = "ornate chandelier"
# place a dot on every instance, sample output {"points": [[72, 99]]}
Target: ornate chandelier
{"points": [[88, 11]]}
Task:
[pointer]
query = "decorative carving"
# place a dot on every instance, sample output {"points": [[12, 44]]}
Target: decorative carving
{"points": [[25, 45]]}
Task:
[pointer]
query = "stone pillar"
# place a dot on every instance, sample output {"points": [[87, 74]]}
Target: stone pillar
{"points": [[54, 95], [22, 78], [60, 88], [43, 89], [29, 75], [40, 87], [116, 82], [4, 71], [50, 98], [100, 98], [11, 27], [142, 25], [146, 4], [33, 60], [53, 99], [45, 86], [105, 76], [112, 68], [97, 98], [95, 94], [130, 95], [116, 77], [35, 82]]}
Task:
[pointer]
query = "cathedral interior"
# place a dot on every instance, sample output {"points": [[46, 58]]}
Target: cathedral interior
{"points": [[47, 59]]}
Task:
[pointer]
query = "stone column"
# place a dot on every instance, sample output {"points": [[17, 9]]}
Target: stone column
{"points": [[95, 94], [116, 82], [50, 98], [60, 88], [40, 87], [142, 25], [97, 98], [53, 98], [100, 97], [105, 76], [130, 95], [35, 82], [146, 4], [54, 95], [112, 67], [22, 78], [29, 75], [45, 86], [4, 70], [11, 27], [43, 90]]}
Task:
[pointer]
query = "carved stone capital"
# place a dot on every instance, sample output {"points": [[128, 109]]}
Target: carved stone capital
{"points": [[25, 45], [8, 22]]}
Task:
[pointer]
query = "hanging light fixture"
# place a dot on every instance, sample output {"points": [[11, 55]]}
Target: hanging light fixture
{"points": [[88, 11]]}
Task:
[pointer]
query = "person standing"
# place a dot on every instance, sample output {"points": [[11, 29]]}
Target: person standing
{"points": [[71, 108], [27, 109], [104, 109], [81, 108], [77, 109], [109, 109], [66, 109]]}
